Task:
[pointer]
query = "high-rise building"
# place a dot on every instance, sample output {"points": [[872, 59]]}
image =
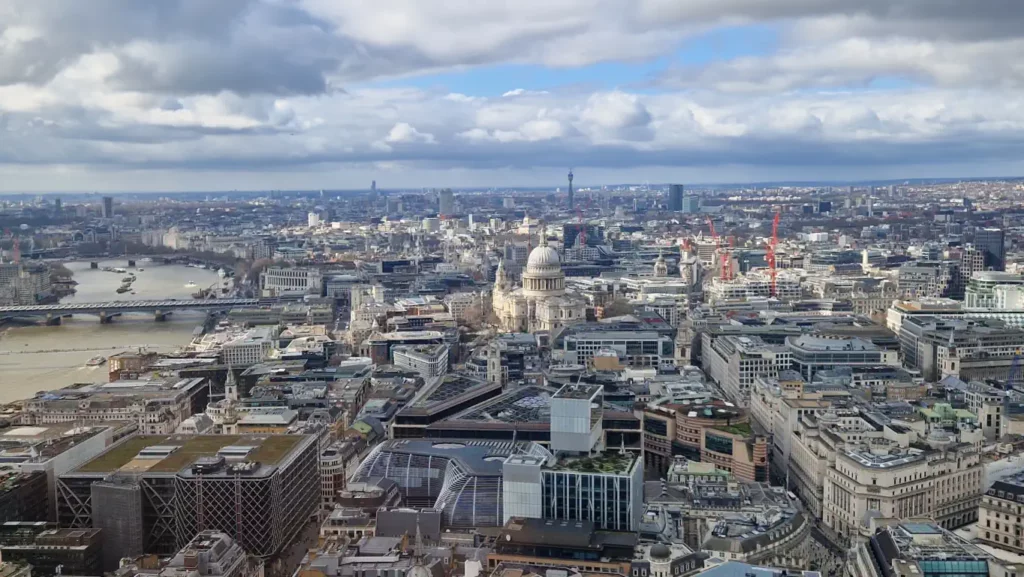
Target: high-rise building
{"points": [[572, 203], [58, 207], [691, 204], [108, 207], [446, 202], [373, 191], [675, 198], [313, 220], [992, 242]]}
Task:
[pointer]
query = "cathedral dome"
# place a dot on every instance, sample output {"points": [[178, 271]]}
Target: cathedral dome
{"points": [[543, 259]]}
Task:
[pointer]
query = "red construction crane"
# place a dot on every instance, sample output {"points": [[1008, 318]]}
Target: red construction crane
{"points": [[771, 251]]}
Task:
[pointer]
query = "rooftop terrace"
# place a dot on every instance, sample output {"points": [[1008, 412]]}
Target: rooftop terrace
{"points": [[268, 450]]}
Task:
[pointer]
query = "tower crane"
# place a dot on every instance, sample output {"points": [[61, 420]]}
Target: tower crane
{"points": [[773, 243]]}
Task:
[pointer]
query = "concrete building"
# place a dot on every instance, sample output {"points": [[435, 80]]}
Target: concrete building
{"points": [[446, 203], [992, 289], [1000, 513], [428, 360], [735, 361], [154, 493], [924, 549], [249, 349], [156, 406], [632, 348], [675, 198], [52, 551], [277, 281], [887, 477], [812, 353], [965, 348]]}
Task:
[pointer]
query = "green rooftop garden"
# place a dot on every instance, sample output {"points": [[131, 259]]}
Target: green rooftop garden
{"points": [[268, 451], [610, 463], [742, 429]]}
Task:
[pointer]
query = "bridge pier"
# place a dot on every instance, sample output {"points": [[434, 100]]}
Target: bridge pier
{"points": [[53, 320], [131, 264], [160, 316], [106, 318]]}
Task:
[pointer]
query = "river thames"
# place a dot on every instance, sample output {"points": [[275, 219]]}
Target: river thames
{"points": [[35, 358]]}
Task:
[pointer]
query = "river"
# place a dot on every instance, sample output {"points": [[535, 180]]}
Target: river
{"points": [[34, 358]]}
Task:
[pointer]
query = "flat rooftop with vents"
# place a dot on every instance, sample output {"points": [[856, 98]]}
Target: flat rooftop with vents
{"points": [[175, 453]]}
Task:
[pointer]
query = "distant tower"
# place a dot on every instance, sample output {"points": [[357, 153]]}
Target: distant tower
{"points": [[572, 204], [660, 266], [231, 387], [446, 203], [108, 207]]}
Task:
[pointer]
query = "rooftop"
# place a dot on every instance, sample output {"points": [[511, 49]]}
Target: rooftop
{"points": [[170, 454], [742, 429], [610, 462]]}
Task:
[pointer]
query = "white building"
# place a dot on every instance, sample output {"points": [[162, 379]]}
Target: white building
{"points": [[280, 281], [314, 220], [735, 361], [253, 347], [542, 303], [427, 360]]}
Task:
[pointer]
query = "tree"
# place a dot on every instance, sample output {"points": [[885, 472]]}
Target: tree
{"points": [[476, 317], [617, 308]]}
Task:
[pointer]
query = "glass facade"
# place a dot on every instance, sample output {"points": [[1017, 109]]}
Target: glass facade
{"points": [[717, 443]]}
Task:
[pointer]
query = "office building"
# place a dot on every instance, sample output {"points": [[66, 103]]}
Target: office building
{"points": [[277, 281], [108, 207], [691, 204], [815, 352], [582, 482], [248, 349], [563, 545], [965, 348], [604, 488], [440, 398], [922, 549], [157, 406], [446, 203], [428, 360], [675, 198], [462, 479], [735, 361], [992, 243], [631, 348], [52, 551], [931, 279], [313, 219], [1000, 514], [156, 492], [942, 481], [993, 289]]}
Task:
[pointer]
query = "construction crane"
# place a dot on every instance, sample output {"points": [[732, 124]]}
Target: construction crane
{"points": [[772, 244], [718, 248]]}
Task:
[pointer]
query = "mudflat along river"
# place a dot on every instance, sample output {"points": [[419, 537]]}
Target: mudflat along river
{"points": [[36, 358]]}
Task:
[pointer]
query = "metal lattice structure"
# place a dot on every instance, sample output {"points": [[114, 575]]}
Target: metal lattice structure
{"points": [[262, 506], [461, 479]]}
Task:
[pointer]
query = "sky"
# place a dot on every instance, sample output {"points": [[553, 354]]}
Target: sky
{"points": [[166, 95]]}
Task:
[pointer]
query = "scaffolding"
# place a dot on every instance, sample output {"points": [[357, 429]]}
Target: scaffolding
{"points": [[117, 510]]}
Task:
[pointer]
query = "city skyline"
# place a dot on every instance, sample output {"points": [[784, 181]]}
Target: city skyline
{"points": [[308, 93]]}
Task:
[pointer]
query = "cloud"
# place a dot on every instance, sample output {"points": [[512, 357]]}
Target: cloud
{"points": [[405, 133], [257, 85]]}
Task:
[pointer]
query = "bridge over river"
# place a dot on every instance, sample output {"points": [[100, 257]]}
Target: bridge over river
{"points": [[107, 310]]}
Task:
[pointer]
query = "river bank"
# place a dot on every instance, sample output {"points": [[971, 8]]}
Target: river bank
{"points": [[35, 358]]}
